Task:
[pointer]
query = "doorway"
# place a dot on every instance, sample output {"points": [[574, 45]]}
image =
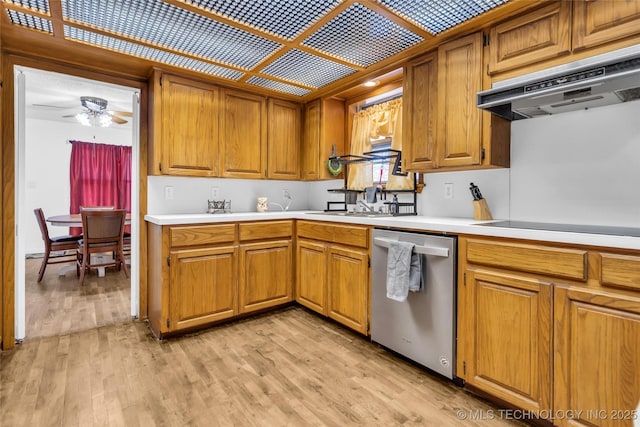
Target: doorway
{"points": [[48, 109]]}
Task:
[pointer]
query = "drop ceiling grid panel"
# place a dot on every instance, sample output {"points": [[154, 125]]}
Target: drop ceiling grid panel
{"points": [[277, 86], [145, 52], [361, 36], [284, 18], [302, 67], [30, 21], [166, 25], [437, 16], [37, 5]]}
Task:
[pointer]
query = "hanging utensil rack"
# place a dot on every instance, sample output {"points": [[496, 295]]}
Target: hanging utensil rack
{"points": [[399, 208]]}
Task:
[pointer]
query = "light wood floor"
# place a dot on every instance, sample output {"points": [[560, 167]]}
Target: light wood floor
{"points": [[59, 305], [286, 368]]}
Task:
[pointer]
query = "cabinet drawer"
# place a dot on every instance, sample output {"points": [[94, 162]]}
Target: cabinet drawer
{"points": [[345, 234], [620, 271], [547, 260], [194, 235], [265, 230]]}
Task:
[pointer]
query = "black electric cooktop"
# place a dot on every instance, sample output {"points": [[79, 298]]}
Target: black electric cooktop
{"points": [[571, 228]]}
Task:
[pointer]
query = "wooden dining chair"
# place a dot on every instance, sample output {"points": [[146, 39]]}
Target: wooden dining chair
{"points": [[54, 244], [102, 232], [97, 208]]}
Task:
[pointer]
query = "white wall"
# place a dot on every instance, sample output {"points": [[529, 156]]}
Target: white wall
{"points": [[493, 184], [581, 167], [190, 195], [47, 155]]}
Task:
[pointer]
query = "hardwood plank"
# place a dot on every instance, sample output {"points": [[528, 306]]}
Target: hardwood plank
{"points": [[289, 367], [59, 305]]}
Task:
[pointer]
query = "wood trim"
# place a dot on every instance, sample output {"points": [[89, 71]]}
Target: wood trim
{"points": [[8, 175]]}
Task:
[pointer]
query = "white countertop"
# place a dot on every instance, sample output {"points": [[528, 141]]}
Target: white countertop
{"points": [[421, 223]]}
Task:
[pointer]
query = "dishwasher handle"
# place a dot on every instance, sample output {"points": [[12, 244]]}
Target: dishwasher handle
{"points": [[423, 250]]}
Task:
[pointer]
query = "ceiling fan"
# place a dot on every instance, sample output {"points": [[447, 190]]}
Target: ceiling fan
{"points": [[96, 113]]}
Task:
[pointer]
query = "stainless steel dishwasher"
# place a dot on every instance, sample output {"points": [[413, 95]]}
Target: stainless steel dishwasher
{"points": [[422, 328]]}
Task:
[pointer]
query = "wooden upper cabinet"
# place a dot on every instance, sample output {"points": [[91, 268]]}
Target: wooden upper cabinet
{"points": [[419, 115], [324, 127], [185, 127], [533, 37], [243, 134], [459, 80], [283, 139], [597, 22]]}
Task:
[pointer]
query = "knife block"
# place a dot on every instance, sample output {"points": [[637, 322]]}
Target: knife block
{"points": [[481, 210]]}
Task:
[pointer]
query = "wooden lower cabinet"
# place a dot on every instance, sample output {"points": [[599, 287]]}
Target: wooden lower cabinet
{"points": [[551, 328], [203, 273], [509, 349], [597, 356], [333, 279], [348, 287], [311, 289], [203, 286], [266, 275]]}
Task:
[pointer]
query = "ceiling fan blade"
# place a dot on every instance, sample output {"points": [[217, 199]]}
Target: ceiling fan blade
{"points": [[118, 120], [57, 107], [122, 113]]}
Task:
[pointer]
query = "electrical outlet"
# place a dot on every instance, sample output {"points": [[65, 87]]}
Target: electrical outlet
{"points": [[448, 190], [168, 192], [215, 193]]}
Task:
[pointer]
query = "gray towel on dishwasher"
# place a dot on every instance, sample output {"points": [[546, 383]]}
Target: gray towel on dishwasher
{"points": [[404, 271]]}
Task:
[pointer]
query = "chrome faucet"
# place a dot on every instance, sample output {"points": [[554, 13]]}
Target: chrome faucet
{"points": [[366, 206], [287, 197]]}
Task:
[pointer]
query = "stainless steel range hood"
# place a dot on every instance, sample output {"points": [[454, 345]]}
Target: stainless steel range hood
{"points": [[606, 79]]}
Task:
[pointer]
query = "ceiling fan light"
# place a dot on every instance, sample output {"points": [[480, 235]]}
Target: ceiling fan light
{"points": [[104, 120], [83, 119]]}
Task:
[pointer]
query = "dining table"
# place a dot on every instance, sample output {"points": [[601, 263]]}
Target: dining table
{"points": [[75, 220]]}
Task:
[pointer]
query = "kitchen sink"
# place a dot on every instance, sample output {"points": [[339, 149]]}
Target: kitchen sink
{"points": [[354, 214]]}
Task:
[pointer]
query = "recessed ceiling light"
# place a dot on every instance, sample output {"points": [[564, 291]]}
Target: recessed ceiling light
{"points": [[370, 83]]}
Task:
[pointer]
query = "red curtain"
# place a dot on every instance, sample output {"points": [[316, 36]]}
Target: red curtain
{"points": [[100, 175]]}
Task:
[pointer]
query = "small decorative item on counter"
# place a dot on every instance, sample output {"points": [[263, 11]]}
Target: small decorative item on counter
{"points": [[263, 204], [218, 206], [480, 208]]}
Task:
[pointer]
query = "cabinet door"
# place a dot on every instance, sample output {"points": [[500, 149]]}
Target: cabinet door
{"points": [[243, 135], [310, 151], [323, 129], [266, 275], [597, 22], [348, 287], [508, 353], [203, 286], [311, 275], [420, 114], [536, 36], [459, 80], [597, 356], [188, 115], [283, 140]]}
